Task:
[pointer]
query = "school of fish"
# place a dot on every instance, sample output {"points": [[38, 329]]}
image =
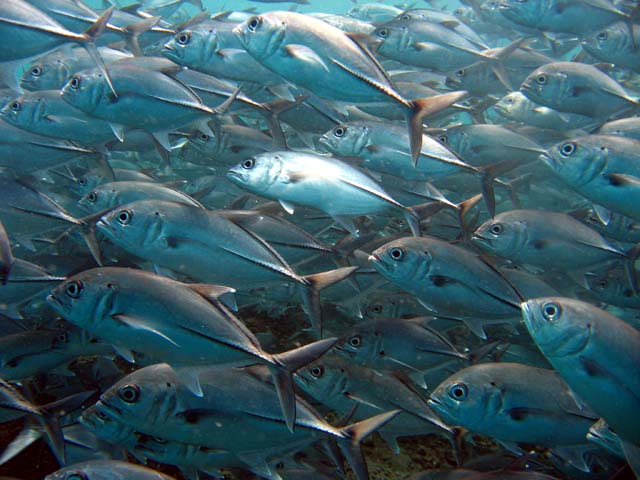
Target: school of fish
{"points": [[238, 243]]}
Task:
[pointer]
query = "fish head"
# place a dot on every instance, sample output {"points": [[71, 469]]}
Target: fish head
{"points": [[465, 397], [523, 12], [205, 143], [144, 394], [454, 137], [191, 47], [45, 74], [83, 298], [392, 38], [324, 379], [510, 104], [15, 113], [262, 35], [404, 261], [258, 173], [578, 161], [469, 77], [609, 283], [502, 235], [547, 85], [348, 140], [612, 38], [559, 326], [86, 90], [98, 199], [104, 426], [137, 226], [362, 343]]}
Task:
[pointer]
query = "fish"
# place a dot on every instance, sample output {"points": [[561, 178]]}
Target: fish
{"points": [[105, 469], [595, 353], [603, 168], [335, 187], [616, 43], [577, 88], [325, 60], [173, 234]]}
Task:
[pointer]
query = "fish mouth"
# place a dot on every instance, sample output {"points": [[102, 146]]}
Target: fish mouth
{"points": [[548, 160], [527, 315], [169, 50], [434, 402], [478, 237], [54, 300], [504, 6], [234, 176], [110, 410], [105, 226]]}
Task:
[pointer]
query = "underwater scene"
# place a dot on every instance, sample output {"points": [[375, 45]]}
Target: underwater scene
{"points": [[319, 240]]}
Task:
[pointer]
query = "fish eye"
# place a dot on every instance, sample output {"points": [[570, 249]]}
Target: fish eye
{"points": [[183, 38], [339, 131], [254, 23], [248, 164], [355, 341], [62, 337], [377, 308], [92, 197], [16, 105], [74, 289], [460, 73], [204, 137], [443, 138], [36, 71], [396, 253], [101, 415], [603, 284], [541, 79], [383, 33], [567, 149], [509, 99], [316, 371], [406, 16], [129, 393], [82, 181], [603, 35], [124, 217], [74, 83], [458, 391], [551, 311], [76, 476], [496, 228]]}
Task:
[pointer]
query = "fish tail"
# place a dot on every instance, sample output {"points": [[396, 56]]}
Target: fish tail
{"points": [[133, 32], [415, 214], [310, 291], [89, 38], [282, 368], [352, 436], [424, 107]]}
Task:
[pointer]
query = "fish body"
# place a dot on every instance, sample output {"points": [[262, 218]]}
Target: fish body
{"points": [[576, 88], [596, 354], [548, 240], [616, 43], [508, 400], [107, 469], [605, 169], [449, 280]]}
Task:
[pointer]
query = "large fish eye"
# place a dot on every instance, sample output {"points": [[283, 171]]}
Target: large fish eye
{"points": [[183, 38], [509, 100], [254, 23], [16, 105], [443, 138], [92, 196], [567, 149], [603, 35], [355, 341], [383, 33], [124, 216], [62, 337], [458, 391], [377, 308], [396, 253], [316, 371], [339, 131], [129, 393], [248, 164], [551, 311], [74, 83], [82, 181], [36, 71], [204, 137], [541, 79], [496, 228], [406, 16], [76, 476], [460, 73], [603, 284], [74, 289]]}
